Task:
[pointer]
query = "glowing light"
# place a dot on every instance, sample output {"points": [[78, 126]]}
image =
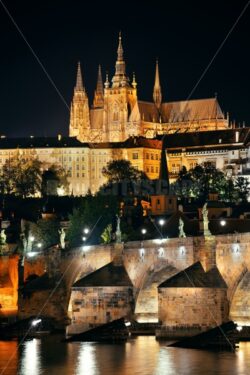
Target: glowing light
{"points": [[30, 360], [31, 254], [142, 253], [161, 222], [239, 328], [36, 322], [128, 324], [223, 223], [182, 249], [84, 238], [60, 191], [236, 248], [39, 245], [32, 238], [161, 252], [86, 230], [144, 231], [86, 248]]}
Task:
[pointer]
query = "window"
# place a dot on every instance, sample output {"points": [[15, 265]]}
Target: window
{"points": [[156, 157], [152, 156], [135, 155], [77, 175], [147, 156], [152, 169], [83, 174], [147, 169]]}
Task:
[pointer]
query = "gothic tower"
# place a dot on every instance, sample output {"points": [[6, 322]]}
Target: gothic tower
{"points": [[98, 97], [121, 117], [79, 112], [157, 88]]}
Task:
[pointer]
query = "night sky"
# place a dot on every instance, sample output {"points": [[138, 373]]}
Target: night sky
{"points": [[184, 35]]}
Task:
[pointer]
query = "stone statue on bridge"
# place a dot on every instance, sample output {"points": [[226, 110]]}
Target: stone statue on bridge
{"points": [[204, 211], [118, 233], [62, 235], [182, 234]]}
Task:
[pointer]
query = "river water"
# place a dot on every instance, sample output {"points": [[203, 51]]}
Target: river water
{"points": [[142, 355]]}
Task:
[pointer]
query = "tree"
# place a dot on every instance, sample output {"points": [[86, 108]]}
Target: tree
{"points": [[107, 234], [242, 188], [202, 180], [120, 170], [46, 231], [54, 179], [94, 212], [21, 177]]}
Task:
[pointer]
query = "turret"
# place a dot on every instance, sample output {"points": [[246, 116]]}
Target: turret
{"points": [[120, 67], [98, 98], [79, 112], [157, 96]]}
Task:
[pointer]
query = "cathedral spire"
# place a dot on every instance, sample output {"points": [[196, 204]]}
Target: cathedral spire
{"points": [[120, 49], [157, 96], [120, 68], [98, 98], [79, 83]]}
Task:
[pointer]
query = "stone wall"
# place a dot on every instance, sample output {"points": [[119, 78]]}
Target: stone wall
{"points": [[93, 306], [8, 285], [191, 310]]}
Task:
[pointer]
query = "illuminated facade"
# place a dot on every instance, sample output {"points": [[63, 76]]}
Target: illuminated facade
{"points": [[227, 150], [117, 114]]}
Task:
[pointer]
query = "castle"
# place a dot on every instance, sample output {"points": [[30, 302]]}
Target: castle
{"points": [[119, 126], [117, 114]]}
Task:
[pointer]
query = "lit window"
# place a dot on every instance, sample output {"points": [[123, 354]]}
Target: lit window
{"points": [[135, 155]]}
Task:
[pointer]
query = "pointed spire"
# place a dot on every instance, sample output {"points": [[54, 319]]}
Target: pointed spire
{"points": [[106, 83], [98, 97], [79, 81], [120, 49], [134, 83], [120, 68], [157, 87], [99, 86]]}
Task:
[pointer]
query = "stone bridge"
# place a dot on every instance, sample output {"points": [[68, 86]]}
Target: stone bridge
{"points": [[148, 264]]}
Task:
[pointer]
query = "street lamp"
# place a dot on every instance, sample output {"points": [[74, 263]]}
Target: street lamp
{"points": [[223, 222], [86, 230], [39, 245], [161, 222], [84, 238], [32, 238]]}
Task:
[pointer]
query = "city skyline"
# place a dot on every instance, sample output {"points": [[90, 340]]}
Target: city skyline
{"points": [[184, 45]]}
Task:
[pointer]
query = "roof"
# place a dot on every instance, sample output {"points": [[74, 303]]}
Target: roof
{"points": [[218, 138], [39, 142], [108, 275], [195, 277], [181, 111]]}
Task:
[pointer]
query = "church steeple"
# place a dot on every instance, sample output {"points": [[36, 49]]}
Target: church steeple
{"points": [[157, 96], [98, 98], [79, 82], [120, 67]]}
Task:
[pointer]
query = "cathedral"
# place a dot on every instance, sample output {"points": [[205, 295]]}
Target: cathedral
{"points": [[117, 113]]}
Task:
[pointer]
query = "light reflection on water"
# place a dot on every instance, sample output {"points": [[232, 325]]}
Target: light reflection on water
{"points": [[139, 356]]}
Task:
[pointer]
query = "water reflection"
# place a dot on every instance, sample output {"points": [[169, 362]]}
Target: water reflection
{"points": [[139, 356], [86, 363], [31, 358]]}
